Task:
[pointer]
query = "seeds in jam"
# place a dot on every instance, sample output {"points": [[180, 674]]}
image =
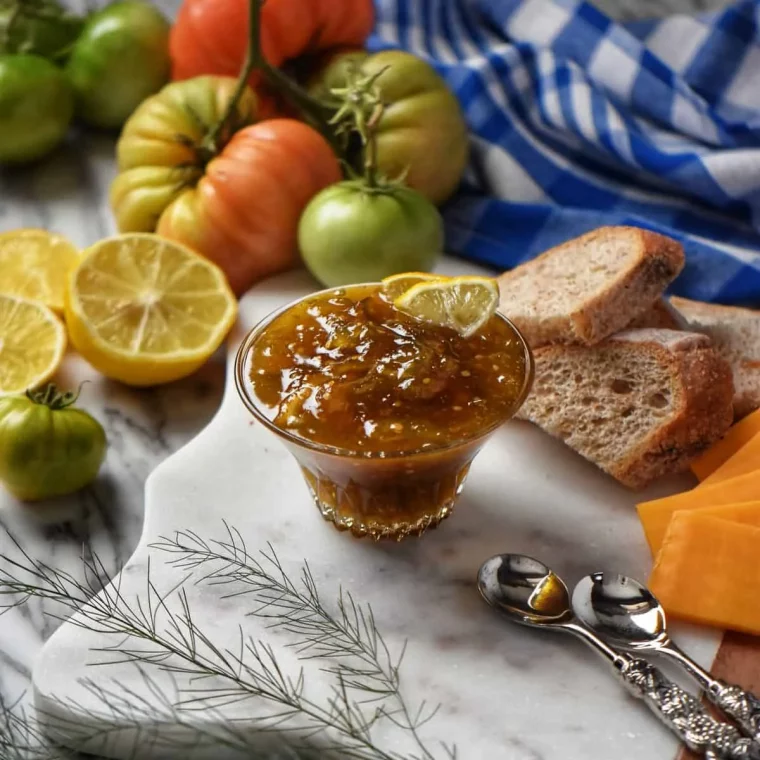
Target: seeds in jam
{"points": [[347, 369]]}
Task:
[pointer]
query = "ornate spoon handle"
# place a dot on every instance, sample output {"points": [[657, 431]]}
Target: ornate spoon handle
{"points": [[740, 705], [683, 713]]}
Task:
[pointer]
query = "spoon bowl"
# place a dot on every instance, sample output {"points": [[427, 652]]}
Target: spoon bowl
{"points": [[528, 592], [620, 608], [525, 589], [623, 611]]}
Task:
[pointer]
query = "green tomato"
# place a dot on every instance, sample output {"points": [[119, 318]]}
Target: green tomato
{"points": [[38, 27], [48, 448], [121, 57], [422, 134], [36, 106], [351, 233]]}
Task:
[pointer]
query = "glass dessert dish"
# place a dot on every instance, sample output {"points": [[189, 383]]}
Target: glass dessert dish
{"points": [[383, 412]]}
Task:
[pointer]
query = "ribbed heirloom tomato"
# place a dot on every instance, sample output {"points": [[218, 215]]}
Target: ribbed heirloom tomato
{"points": [[209, 36], [422, 134], [237, 202], [244, 212], [47, 447]]}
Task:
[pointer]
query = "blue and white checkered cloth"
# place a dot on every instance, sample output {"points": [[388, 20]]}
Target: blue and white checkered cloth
{"points": [[577, 121]]}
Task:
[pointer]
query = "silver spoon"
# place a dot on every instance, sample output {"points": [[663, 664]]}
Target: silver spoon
{"points": [[528, 592], [622, 609]]}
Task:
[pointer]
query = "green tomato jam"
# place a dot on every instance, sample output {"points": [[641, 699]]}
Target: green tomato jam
{"points": [[346, 369]]}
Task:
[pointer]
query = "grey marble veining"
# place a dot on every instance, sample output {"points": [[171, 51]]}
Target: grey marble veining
{"points": [[143, 428], [68, 194]]}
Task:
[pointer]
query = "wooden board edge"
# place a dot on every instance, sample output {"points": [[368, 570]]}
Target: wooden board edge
{"points": [[737, 661]]}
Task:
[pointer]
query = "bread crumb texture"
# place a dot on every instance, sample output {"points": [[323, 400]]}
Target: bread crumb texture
{"points": [[639, 405]]}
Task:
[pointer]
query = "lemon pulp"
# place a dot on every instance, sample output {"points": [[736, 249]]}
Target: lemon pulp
{"points": [[32, 344], [464, 303], [145, 310]]}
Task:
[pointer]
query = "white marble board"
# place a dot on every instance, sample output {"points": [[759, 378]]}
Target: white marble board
{"points": [[505, 691]]}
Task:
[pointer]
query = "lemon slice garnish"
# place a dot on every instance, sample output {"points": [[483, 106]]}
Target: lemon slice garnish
{"points": [[32, 344], [146, 310], [397, 284], [464, 304]]}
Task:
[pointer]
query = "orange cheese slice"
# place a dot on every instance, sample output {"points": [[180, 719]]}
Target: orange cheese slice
{"points": [[746, 513], [655, 515], [708, 572], [745, 460], [738, 435]]}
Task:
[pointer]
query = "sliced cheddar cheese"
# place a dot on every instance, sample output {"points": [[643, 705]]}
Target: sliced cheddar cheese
{"points": [[655, 515], [708, 572], [738, 435], [745, 460], [747, 513]]}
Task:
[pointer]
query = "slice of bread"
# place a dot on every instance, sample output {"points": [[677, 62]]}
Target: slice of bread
{"points": [[661, 315], [589, 288], [639, 405], [735, 333]]}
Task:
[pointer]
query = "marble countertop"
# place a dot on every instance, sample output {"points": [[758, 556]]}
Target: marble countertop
{"points": [[68, 194]]}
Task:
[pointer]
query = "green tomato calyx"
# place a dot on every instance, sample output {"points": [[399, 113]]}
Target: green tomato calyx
{"points": [[358, 101], [378, 184], [54, 399], [381, 185], [360, 111], [38, 27]]}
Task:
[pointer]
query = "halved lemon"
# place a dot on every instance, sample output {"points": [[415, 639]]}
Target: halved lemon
{"points": [[145, 310], [32, 344], [35, 264], [397, 284], [464, 304]]}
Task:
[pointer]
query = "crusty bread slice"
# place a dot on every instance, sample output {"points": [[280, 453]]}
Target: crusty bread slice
{"points": [[661, 315], [639, 405], [735, 333], [589, 288]]}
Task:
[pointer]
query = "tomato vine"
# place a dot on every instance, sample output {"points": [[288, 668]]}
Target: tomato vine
{"points": [[314, 112]]}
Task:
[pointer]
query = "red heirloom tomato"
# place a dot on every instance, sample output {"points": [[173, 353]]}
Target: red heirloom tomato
{"points": [[209, 36], [237, 202], [244, 212]]}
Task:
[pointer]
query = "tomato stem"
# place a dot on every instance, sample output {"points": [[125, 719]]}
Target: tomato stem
{"points": [[253, 59], [50, 12], [313, 110], [360, 111], [370, 146], [54, 399]]}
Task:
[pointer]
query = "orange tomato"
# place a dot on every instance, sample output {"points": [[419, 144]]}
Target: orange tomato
{"points": [[240, 207], [244, 212], [210, 36]]}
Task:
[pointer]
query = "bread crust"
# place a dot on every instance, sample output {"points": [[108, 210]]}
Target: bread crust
{"points": [[728, 328], [700, 383], [657, 263], [688, 307], [661, 314], [660, 261], [705, 413]]}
